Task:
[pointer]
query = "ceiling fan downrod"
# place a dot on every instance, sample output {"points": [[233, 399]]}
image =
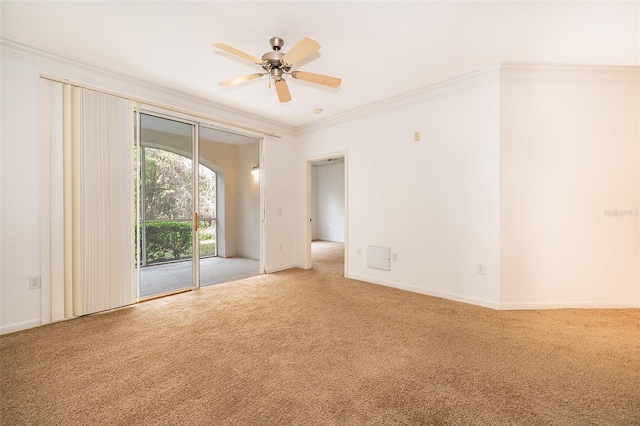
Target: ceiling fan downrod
{"points": [[276, 43]]}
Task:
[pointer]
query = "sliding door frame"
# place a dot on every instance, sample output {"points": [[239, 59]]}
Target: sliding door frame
{"points": [[195, 167], [195, 175], [197, 123]]}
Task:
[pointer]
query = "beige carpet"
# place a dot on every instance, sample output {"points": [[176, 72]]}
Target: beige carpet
{"points": [[310, 347]]}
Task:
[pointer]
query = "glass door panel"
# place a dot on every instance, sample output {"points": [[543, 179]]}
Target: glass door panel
{"points": [[228, 206], [165, 215]]}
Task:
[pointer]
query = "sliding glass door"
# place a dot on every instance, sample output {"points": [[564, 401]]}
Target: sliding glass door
{"points": [[198, 205], [165, 200]]}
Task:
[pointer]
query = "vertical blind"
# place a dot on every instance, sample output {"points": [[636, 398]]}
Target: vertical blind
{"points": [[89, 258]]}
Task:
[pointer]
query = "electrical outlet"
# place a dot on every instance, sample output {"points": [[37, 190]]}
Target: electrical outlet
{"points": [[359, 252], [394, 257], [34, 283], [481, 269], [280, 247], [279, 211]]}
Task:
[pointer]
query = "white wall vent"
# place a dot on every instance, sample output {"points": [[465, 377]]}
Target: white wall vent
{"points": [[378, 257]]}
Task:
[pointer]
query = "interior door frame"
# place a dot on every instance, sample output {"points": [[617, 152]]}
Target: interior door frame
{"points": [[308, 206]]}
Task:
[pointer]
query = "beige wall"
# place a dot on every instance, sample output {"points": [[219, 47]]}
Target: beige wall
{"points": [[223, 159], [248, 241]]}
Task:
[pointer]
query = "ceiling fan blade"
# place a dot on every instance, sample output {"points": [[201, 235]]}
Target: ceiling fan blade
{"points": [[304, 48], [283, 91], [325, 80], [239, 80], [237, 52]]}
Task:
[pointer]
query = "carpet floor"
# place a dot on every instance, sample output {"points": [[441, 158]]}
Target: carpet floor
{"points": [[311, 347]]}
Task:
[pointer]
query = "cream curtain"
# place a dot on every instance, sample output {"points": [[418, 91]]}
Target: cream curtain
{"points": [[88, 217]]}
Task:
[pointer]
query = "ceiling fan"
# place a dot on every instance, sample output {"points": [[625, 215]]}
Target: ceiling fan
{"points": [[277, 64]]}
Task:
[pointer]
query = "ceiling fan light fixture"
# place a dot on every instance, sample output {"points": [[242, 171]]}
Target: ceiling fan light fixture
{"points": [[276, 74]]}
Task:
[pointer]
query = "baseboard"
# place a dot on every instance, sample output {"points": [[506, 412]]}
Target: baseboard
{"points": [[18, 326], [429, 292], [567, 305], [281, 268]]}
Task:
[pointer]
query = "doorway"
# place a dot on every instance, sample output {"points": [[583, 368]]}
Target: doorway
{"points": [[326, 204]]}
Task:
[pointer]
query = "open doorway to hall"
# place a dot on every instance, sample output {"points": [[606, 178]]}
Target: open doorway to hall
{"points": [[326, 207], [328, 257]]}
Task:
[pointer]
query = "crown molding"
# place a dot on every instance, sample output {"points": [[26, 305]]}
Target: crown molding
{"points": [[528, 72], [109, 80], [448, 87], [505, 72]]}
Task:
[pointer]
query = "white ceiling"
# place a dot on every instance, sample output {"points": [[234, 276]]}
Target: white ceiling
{"points": [[379, 49]]}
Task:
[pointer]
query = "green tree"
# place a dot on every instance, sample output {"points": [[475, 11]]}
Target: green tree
{"points": [[168, 189], [207, 188]]}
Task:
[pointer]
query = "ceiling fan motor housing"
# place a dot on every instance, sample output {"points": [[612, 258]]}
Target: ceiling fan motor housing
{"points": [[272, 61]]}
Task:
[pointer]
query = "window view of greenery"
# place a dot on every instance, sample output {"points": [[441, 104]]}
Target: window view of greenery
{"points": [[167, 205]]}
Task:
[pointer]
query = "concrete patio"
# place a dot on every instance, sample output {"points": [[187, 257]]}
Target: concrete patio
{"points": [[168, 277]]}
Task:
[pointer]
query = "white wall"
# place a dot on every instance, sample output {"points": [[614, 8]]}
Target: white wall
{"points": [[283, 208], [519, 176], [569, 152], [20, 204], [329, 201], [434, 202]]}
